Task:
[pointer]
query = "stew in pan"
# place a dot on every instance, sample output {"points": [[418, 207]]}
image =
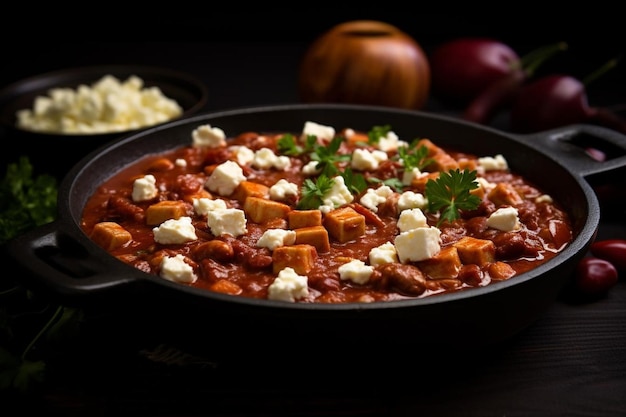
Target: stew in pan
{"points": [[325, 216]]}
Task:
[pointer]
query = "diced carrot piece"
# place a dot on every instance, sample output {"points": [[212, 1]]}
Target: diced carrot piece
{"points": [[476, 251], [344, 224], [446, 264], [304, 218], [315, 236], [504, 194], [110, 235], [164, 210], [161, 165], [225, 286], [260, 210], [247, 189], [200, 194], [500, 271], [419, 183], [299, 257]]}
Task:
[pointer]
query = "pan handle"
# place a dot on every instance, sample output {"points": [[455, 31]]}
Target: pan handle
{"points": [[567, 145], [58, 262]]}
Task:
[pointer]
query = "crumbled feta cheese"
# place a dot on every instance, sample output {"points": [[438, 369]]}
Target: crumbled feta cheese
{"points": [[311, 168], [108, 105], [338, 195], [364, 160], [390, 142], [242, 154], [273, 238], [144, 188], [375, 196], [225, 178], [207, 136], [410, 175], [418, 244], [180, 162], [410, 199], [489, 163], [411, 219], [174, 268], [544, 198], [383, 254], [227, 221], [288, 286], [265, 158], [505, 219], [204, 205], [283, 189], [175, 231], [319, 130], [356, 271]]}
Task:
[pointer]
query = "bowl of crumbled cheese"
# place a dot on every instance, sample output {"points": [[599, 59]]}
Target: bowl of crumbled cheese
{"points": [[59, 117]]}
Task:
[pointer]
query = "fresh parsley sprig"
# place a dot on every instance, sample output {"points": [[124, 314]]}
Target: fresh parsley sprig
{"points": [[328, 156], [450, 193], [414, 156], [313, 191], [376, 133]]}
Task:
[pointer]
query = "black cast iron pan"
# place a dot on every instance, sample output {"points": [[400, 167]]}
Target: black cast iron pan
{"points": [[60, 259]]}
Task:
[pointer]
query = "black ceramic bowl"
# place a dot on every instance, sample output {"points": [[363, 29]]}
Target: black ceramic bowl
{"points": [[59, 258], [56, 153]]}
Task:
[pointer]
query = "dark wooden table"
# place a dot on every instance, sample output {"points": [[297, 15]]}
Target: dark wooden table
{"points": [[570, 362]]}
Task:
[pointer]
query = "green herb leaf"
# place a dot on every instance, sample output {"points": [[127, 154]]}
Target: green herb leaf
{"points": [[25, 201], [287, 145], [414, 156], [377, 132], [313, 192], [450, 192], [327, 156], [354, 181]]}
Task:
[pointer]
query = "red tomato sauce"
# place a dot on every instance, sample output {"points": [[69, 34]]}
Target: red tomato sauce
{"points": [[237, 265]]}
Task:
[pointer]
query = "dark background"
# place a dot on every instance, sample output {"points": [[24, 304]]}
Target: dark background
{"points": [[571, 362], [209, 43]]}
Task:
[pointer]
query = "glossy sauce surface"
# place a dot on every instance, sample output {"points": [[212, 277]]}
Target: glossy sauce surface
{"points": [[239, 267]]}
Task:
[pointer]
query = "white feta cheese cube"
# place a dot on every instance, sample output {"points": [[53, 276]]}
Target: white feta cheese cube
{"points": [[144, 188], [180, 162], [175, 231], [375, 196], [364, 160], [242, 154], [227, 221], [410, 200], [505, 219], [208, 136], [283, 189], [490, 163], [174, 268], [356, 271], [383, 254], [409, 175], [225, 178], [338, 195], [273, 238], [418, 244], [204, 205], [411, 219], [311, 168], [319, 130], [390, 142], [288, 286]]}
